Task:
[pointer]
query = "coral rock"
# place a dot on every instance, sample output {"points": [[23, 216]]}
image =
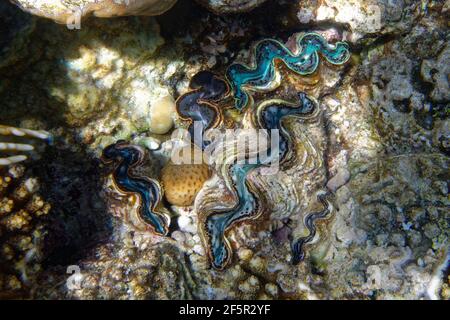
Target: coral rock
{"points": [[22, 232], [230, 6], [15, 27], [161, 115], [70, 11]]}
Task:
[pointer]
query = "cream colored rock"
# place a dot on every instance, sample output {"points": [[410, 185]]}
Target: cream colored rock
{"points": [[161, 115], [71, 12]]}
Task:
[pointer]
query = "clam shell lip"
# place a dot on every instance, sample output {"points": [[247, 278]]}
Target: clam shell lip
{"points": [[126, 157], [303, 62], [270, 115]]}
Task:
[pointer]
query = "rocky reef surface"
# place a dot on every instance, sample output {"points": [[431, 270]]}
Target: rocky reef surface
{"points": [[230, 6], [380, 147], [73, 11]]}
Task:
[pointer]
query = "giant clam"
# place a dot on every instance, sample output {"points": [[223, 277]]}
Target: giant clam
{"points": [[247, 191], [125, 157], [298, 250], [215, 223], [199, 105], [246, 183], [269, 115], [262, 75]]}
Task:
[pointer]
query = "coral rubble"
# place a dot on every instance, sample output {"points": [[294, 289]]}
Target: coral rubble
{"points": [[22, 232]]}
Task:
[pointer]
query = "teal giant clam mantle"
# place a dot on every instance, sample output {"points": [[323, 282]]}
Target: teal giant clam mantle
{"points": [[202, 104], [298, 246], [214, 225], [270, 115], [199, 106], [304, 62], [126, 157]]}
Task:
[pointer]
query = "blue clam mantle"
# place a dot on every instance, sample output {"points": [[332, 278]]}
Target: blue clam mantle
{"points": [[298, 250], [200, 104], [126, 157], [242, 78], [217, 223], [270, 115]]}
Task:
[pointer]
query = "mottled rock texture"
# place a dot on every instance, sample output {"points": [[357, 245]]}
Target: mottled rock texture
{"points": [[15, 27], [23, 232]]}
